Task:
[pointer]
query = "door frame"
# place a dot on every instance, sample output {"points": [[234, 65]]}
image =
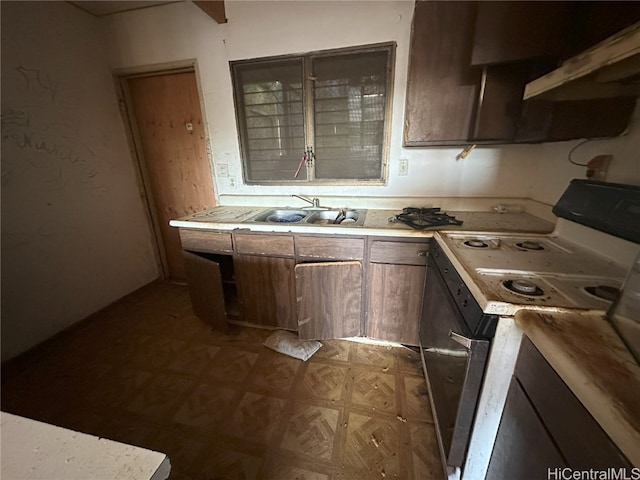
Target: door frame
{"points": [[121, 77]]}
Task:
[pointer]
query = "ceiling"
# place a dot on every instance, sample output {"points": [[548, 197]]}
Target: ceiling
{"points": [[214, 8], [102, 8]]}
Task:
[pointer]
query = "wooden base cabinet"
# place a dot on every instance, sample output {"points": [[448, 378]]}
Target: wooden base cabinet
{"points": [[395, 285], [395, 302], [206, 288], [329, 298], [544, 427], [267, 289]]}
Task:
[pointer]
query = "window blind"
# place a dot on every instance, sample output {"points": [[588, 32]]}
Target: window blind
{"points": [[272, 122], [350, 96]]}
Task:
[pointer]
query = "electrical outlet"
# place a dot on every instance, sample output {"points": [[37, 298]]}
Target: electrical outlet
{"points": [[403, 167], [223, 169], [232, 182], [598, 166]]}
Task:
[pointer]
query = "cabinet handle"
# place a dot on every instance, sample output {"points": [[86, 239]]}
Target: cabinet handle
{"points": [[423, 253], [469, 343]]}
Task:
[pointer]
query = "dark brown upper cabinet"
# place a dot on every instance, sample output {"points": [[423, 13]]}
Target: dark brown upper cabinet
{"points": [[442, 89], [515, 31], [470, 61]]}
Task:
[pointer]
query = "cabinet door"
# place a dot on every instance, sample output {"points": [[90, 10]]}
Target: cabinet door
{"points": [[329, 299], [442, 90], [267, 290], [523, 448], [205, 287], [395, 302]]}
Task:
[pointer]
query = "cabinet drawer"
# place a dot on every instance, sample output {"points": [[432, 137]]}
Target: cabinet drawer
{"points": [[331, 248], [402, 253], [206, 241], [279, 245]]}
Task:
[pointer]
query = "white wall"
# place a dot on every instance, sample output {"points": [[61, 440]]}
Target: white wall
{"points": [[261, 28], [554, 170], [75, 236]]}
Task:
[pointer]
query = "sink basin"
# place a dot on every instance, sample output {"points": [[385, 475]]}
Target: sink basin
{"points": [[281, 216], [327, 217], [353, 218]]}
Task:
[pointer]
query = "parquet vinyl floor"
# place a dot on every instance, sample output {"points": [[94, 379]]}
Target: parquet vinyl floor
{"points": [[146, 371]]}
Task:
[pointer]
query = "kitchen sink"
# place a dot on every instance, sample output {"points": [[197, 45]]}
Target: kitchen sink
{"points": [[327, 217], [280, 216], [352, 218]]}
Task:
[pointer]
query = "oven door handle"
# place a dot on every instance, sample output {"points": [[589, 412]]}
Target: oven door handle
{"points": [[468, 343]]}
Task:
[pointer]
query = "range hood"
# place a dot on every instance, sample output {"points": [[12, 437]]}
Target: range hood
{"points": [[609, 69]]}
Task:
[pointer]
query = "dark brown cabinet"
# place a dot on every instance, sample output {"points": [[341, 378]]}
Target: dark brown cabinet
{"points": [[470, 61], [267, 289], [442, 90], [329, 286], [544, 426], [395, 284], [329, 299], [206, 288], [323, 286]]}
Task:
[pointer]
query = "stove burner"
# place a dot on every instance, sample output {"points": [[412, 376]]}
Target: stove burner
{"points": [[604, 292], [530, 245], [476, 243], [523, 287], [421, 218]]}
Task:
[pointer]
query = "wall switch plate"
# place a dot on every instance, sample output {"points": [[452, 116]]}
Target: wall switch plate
{"points": [[403, 167], [598, 166], [223, 169]]}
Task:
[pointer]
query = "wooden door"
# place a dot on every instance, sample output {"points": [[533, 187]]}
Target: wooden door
{"points": [[329, 299], [178, 171], [267, 290], [206, 289], [395, 302]]}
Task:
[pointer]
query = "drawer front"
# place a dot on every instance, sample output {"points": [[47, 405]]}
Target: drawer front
{"points": [[400, 253], [278, 245], [331, 248], [206, 241]]}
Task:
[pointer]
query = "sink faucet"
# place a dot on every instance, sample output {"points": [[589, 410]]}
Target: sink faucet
{"points": [[315, 202]]}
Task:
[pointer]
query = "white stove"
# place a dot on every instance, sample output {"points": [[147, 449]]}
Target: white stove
{"points": [[581, 265], [508, 272]]}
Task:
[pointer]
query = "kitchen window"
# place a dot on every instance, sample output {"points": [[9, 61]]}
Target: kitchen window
{"points": [[322, 117]]}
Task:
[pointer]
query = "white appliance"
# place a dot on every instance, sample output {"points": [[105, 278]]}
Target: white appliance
{"points": [[580, 266]]}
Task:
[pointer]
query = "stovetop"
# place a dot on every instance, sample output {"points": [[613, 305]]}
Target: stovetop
{"points": [[541, 271], [421, 218]]}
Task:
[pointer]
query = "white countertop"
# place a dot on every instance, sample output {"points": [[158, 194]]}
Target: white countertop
{"points": [[34, 450], [376, 223], [589, 356]]}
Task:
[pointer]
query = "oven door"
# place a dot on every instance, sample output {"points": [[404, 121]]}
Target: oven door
{"points": [[454, 365]]}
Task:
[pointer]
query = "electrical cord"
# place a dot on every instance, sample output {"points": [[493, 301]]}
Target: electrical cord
{"points": [[573, 149]]}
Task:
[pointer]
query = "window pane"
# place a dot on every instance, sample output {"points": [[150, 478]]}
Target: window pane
{"points": [[271, 118], [350, 97]]}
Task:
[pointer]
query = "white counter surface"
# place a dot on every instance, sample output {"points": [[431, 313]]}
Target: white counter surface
{"points": [[587, 353], [34, 450], [376, 223]]}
